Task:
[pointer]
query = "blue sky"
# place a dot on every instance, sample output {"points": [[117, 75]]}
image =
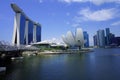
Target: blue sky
{"points": [[59, 16]]}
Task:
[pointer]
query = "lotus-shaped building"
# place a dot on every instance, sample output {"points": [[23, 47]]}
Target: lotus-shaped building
{"points": [[76, 40]]}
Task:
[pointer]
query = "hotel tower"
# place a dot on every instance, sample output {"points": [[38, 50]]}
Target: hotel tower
{"points": [[25, 31]]}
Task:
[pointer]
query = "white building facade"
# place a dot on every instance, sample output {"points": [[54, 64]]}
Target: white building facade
{"points": [[76, 40]]}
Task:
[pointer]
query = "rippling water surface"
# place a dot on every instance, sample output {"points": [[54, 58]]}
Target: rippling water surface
{"points": [[102, 64]]}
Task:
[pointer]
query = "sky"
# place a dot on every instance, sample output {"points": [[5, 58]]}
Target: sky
{"points": [[59, 16]]}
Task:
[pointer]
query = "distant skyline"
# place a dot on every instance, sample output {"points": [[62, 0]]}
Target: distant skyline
{"points": [[59, 16]]}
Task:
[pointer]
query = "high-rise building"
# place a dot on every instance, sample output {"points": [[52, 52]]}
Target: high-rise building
{"points": [[25, 31], [95, 40], [107, 36], [112, 37], [101, 38], [86, 39], [116, 40]]}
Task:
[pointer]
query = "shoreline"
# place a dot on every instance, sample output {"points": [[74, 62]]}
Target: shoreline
{"points": [[47, 52], [66, 51]]}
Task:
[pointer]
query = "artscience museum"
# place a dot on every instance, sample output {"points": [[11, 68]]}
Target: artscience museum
{"points": [[78, 40]]}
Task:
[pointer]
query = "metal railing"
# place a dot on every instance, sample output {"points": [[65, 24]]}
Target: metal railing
{"points": [[6, 46]]}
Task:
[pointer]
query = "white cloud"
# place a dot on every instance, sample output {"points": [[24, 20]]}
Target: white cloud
{"points": [[69, 1], [90, 15], [40, 1], [99, 2], [116, 23], [99, 15], [76, 25], [96, 2]]}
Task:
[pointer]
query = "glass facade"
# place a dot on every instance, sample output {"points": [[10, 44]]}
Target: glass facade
{"points": [[107, 36], [22, 29], [86, 39], [101, 38], [30, 32], [38, 33], [95, 40]]}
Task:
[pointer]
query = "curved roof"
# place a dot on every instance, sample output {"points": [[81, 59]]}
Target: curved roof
{"points": [[16, 8], [19, 10]]}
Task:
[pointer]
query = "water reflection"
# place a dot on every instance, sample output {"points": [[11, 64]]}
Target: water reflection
{"points": [[102, 64]]}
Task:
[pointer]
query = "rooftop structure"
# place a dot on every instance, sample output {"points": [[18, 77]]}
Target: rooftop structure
{"points": [[25, 31]]}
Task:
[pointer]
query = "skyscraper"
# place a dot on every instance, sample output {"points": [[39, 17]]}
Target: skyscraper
{"points": [[107, 36], [25, 31], [111, 36], [101, 38], [95, 40], [86, 39]]}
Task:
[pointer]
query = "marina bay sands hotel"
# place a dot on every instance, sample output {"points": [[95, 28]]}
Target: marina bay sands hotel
{"points": [[25, 31]]}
